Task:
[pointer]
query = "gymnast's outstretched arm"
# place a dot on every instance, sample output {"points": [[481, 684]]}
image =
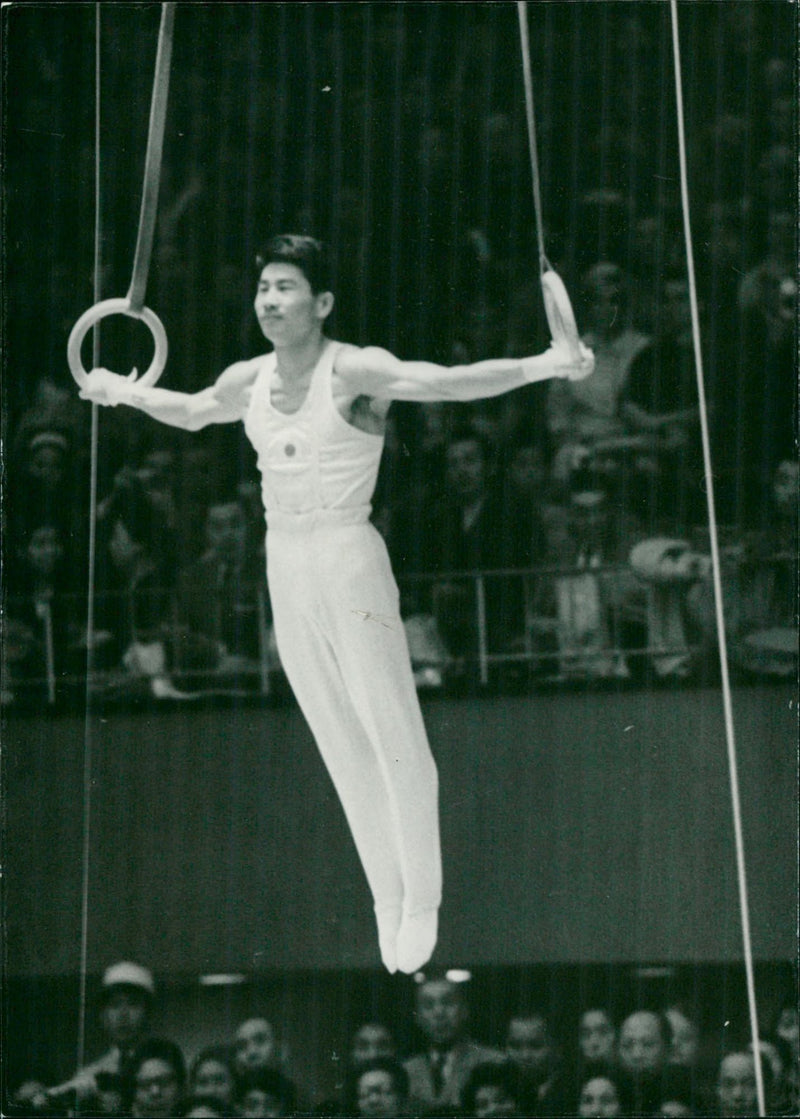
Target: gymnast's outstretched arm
{"points": [[375, 372], [223, 402]]}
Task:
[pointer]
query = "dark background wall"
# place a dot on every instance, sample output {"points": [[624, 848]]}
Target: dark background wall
{"points": [[587, 838], [590, 827]]}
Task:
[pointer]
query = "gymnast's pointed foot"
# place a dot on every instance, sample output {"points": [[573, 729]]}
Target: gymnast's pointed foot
{"points": [[388, 918], [416, 939]]}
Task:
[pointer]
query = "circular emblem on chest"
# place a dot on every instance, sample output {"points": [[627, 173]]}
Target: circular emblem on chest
{"points": [[289, 450]]}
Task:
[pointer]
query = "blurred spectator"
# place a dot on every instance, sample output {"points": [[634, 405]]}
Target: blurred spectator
{"points": [[601, 1097], [157, 1080], [760, 579], [371, 1041], [766, 396], [264, 1093], [785, 1033], [527, 501], [644, 1042], [42, 626], [44, 484], [592, 600], [379, 1088], [597, 1036], [126, 1002], [222, 599], [787, 1026], [685, 1050], [584, 412], [28, 1098], [532, 1051], [202, 1107], [643, 1049], [680, 1093], [437, 1076], [136, 606], [211, 1076], [466, 532], [735, 1089], [157, 476], [255, 1047], [659, 403], [777, 1054], [668, 569], [493, 1089]]}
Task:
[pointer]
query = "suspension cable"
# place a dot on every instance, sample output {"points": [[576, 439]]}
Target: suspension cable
{"points": [[133, 305], [716, 571], [90, 596], [152, 165], [522, 11]]}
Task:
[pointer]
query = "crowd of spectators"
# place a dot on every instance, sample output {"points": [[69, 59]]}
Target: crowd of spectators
{"points": [[596, 487], [649, 1061], [517, 566]]}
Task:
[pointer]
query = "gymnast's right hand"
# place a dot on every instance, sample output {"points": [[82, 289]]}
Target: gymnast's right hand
{"points": [[104, 387]]}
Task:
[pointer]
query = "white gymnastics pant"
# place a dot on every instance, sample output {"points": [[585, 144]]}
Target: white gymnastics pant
{"points": [[342, 645]]}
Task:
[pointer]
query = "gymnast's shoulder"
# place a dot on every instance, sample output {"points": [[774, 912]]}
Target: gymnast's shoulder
{"points": [[235, 383]]}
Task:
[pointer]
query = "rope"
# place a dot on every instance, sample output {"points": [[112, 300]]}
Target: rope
{"points": [[135, 299], [152, 165], [717, 579], [522, 11], [87, 724]]}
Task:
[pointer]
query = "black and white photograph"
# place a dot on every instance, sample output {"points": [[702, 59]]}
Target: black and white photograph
{"points": [[399, 502]]}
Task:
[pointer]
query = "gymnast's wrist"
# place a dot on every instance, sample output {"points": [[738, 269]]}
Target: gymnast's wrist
{"points": [[538, 368], [133, 394]]}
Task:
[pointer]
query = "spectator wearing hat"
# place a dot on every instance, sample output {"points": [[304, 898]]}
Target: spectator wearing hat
{"points": [[126, 1002]]}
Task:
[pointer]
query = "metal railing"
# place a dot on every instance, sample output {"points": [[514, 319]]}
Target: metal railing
{"points": [[558, 624]]}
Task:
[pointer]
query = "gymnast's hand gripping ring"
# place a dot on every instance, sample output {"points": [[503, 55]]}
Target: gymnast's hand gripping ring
{"points": [[117, 307], [560, 316]]}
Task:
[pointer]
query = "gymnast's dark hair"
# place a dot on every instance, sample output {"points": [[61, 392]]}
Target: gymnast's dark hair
{"points": [[306, 253]]}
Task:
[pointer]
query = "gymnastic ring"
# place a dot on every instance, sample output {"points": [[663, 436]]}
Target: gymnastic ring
{"points": [[560, 316], [117, 307]]}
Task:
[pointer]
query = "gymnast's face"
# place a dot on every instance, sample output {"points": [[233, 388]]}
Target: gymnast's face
{"points": [[288, 312]]}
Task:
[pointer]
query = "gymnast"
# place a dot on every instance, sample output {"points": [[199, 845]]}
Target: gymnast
{"points": [[315, 411]]}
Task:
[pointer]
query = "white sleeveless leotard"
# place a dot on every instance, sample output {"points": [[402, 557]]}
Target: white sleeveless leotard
{"points": [[340, 636]]}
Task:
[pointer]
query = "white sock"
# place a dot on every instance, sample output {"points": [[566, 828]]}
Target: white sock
{"points": [[388, 919], [416, 939]]}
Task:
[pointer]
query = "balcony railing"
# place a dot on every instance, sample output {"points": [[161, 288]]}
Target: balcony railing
{"points": [[502, 628]]}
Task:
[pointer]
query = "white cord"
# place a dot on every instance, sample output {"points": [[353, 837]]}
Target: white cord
{"points": [[716, 572], [522, 11], [90, 595]]}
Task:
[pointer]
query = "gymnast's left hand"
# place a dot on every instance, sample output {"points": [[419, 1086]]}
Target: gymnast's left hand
{"points": [[104, 387], [570, 367]]}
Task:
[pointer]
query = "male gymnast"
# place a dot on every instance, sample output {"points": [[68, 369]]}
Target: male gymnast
{"points": [[315, 411]]}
